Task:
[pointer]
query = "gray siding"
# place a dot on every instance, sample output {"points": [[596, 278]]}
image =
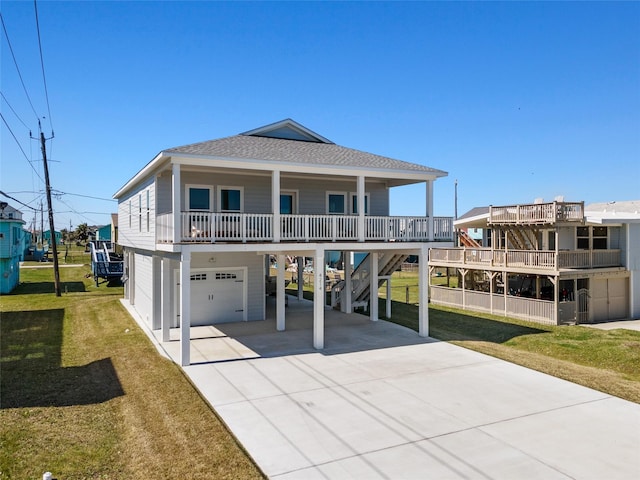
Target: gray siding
{"points": [[255, 276], [163, 193], [132, 218]]}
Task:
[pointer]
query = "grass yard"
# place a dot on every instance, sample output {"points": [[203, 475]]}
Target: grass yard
{"points": [[84, 394]]}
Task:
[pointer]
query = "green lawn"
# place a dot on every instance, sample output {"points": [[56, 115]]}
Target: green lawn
{"points": [[84, 393]]}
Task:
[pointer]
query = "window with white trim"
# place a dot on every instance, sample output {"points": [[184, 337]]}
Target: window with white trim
{"points": [[199, 197], [230, 199], [148, 211], [336, 203]]}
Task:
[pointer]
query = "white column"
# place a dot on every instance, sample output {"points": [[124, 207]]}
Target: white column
{"points": [[280, 304], [345, 302], [373, 287], [175, 203], [185, 308], [156, 296], [166, 310], [132, 277], [318, 299], [361, 195], [300, 278], [429, 210], [423, 292], [388, 312], [275, 204]]}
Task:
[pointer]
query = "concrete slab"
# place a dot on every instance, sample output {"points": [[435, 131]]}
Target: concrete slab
{"points": [[626, 324], [381, 402]]}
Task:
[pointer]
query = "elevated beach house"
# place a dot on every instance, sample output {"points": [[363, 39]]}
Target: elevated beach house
{"points": [[12, 246], [553, 263], [199, 224]]}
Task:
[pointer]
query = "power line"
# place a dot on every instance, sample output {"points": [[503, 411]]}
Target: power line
{"points": [[16, 200], [20, 146], [58, 192], [15, 62], [14, 112], [44, 80]]}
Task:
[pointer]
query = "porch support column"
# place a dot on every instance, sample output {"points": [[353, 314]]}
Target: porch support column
{"points": [[166, 310], [492, 282], [388, 312], [185, 308], [300, 277], [318, 299], [156, 296], [280, 304], [361, 198], [429, 210], [345, 303], [275, 204], [423, 292], [373, 287], [175, 203]]}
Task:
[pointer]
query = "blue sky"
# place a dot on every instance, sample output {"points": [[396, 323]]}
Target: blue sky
{"points": [[516, 101]]}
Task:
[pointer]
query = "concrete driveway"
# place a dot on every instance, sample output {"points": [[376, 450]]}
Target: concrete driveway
{"points": [[381, 402]]}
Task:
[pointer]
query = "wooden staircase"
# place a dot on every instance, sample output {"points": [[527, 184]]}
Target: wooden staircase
{"points": [[467, 241], [361, 279]]}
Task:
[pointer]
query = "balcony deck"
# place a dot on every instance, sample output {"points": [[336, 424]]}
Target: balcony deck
{"points": [[209, 227], [537, 214], [535, 260]]}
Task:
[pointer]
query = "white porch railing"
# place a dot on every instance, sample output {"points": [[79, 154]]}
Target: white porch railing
{"points": [[206, 227], [533, 259]]}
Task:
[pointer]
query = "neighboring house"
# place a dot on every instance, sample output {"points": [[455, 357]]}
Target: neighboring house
{"points": [[103, 234], [12, 237], [553, 263], [47, 237], [199, 224], [114, 228]]}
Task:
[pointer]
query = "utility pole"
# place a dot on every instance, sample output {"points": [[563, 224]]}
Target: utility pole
{"points": [[52, 230]]}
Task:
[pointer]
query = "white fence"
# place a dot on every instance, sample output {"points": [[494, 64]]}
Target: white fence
{"points": [[531, 309]]}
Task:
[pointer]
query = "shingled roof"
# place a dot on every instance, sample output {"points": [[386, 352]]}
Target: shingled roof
{"points": [[258, 145]]}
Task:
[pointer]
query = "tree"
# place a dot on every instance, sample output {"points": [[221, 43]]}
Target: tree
{"points": [[82, 232]]}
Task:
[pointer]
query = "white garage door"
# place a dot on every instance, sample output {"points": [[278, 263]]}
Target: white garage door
{"points": [[217, 296]]}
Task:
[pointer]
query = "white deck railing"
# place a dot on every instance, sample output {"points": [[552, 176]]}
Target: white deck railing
{"points": [[537, 213], [531, 259], [206, 227]]}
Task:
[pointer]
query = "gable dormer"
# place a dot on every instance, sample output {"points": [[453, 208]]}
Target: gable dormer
{"points": [[287, 130]]}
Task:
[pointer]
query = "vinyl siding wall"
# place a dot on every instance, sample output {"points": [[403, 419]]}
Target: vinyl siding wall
{"points": [[132, 218]]}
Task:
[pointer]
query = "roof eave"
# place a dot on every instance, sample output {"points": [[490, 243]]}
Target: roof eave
{"points": [[142, 174]]}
